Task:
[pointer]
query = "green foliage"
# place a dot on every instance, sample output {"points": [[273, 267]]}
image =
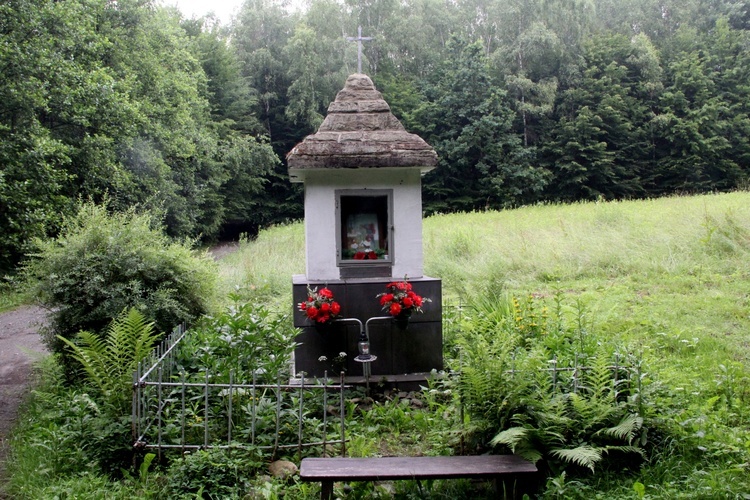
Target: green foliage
{"points": [[119, 99], [104, 263], [524, 379], [245, 343], [667, 276], [66, 432], [243, 339], [530, 101], [463, 117], [108, 363], [212, 474]]}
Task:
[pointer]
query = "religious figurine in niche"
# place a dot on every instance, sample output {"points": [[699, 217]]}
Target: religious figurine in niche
{"points": [[363, 237]]}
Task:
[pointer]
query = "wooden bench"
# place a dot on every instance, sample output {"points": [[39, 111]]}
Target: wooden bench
{"points": [[506, 468]]}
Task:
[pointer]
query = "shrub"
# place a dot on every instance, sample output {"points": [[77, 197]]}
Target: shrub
{"points": [[243, 339], [103, 263]]}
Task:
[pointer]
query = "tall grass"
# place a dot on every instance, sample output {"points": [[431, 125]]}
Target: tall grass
{"points": [[670, 276], [664, 272], [262, 268], [666, 278], [518, 249]]}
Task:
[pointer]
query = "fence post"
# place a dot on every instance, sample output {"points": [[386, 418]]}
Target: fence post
{"points": [[229, 416], [253, 412], [554, 374], [325, 413], [617, 373], [343, 414], [159, 406], [205, 413], [133, 416], [182, 415], [278, 417], [299, 430]]}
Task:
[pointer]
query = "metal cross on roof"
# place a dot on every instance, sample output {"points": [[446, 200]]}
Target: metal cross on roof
{"points": [[359, 39]]}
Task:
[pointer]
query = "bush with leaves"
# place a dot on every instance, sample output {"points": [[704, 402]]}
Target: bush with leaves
{"points": [[102, 263], [534, 384], [245, 339]]}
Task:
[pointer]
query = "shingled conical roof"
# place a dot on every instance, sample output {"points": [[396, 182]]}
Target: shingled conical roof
{"points": [[360, 132]]}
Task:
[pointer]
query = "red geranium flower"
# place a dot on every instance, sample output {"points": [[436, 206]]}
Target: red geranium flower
{"points": [[312, 312], [385, 298], [399, 298], [320, 306]]}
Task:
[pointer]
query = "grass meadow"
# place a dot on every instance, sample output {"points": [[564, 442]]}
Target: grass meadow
{"points": [[666, 281], [667, 271]]}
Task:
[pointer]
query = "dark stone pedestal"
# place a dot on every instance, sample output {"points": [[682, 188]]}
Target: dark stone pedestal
{"points": [[417, 348]]}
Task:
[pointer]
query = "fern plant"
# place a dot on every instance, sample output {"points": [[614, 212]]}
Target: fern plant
{"points": [[533, 393], [108, 362], [558, 440]]}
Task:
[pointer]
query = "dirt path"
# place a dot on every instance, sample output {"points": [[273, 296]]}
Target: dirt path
{"points": [[20, 346]]}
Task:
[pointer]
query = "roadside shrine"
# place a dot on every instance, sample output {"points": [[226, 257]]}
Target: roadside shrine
{"points": [[363, 230]]}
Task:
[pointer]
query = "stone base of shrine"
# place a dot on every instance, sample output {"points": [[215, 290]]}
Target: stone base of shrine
{"points": [[381, 383], [415, 349]]}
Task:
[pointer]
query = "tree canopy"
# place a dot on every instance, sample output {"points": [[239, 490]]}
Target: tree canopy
{"points": [[524, 101]]}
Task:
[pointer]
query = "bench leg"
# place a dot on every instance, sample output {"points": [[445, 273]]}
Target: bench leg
{"points": [[505, 488], [326, 490]]}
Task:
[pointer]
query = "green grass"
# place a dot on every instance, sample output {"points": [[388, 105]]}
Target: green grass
{"points": [[651, 271], [667, 278], [12, 295], [667, 273], [262, 268]]}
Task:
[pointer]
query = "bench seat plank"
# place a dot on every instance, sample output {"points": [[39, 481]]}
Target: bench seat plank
{"points": [[394, 468]]}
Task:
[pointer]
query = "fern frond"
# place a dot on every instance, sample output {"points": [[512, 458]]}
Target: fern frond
{"points": [[109, 362], [518, 439], [599, 379], [625, 449], [130, 337], [585, 456], [529, 453], [626, 429], [91, 352], [592, 412], [510, 437]]}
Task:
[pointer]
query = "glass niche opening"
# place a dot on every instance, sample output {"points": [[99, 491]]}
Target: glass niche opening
{"points": [[364, 228]]}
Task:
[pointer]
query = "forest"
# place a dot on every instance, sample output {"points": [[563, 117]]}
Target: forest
{"points": [[129, 104]]}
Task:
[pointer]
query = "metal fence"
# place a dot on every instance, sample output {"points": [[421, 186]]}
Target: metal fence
{"points": [[174, 410]]}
